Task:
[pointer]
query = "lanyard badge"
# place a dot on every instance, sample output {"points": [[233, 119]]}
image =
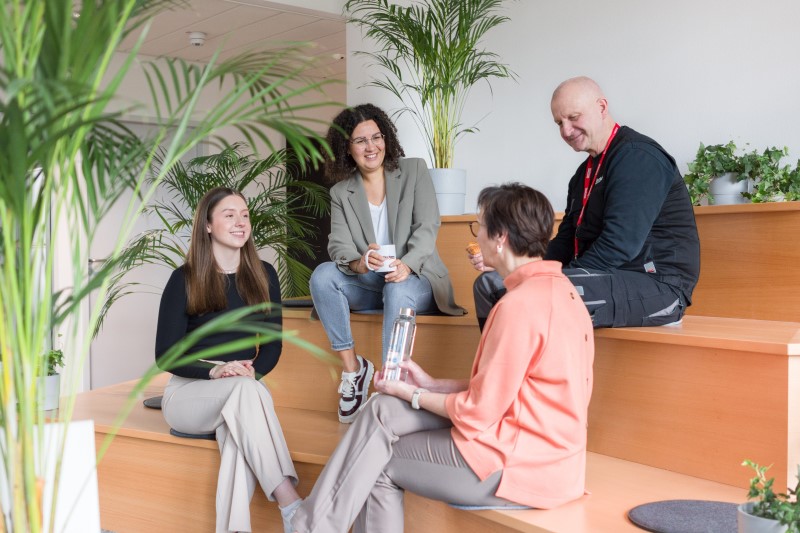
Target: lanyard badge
{"points": [[589, 181]]}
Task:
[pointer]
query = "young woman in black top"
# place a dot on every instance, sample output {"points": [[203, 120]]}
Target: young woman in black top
{"points": [[223, 272]]}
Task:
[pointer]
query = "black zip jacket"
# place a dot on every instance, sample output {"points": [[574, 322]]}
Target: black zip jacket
{"points": [[638, 217]]}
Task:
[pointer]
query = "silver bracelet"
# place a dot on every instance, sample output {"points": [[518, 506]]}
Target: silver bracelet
{"points": [[415, 397]]}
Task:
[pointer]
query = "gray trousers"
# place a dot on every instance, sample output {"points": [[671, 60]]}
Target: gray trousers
{"points": [[614, 299], [389, 449], [249, 436]]}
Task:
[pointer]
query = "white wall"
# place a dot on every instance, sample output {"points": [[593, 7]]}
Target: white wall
{"points": [[682, 72]]}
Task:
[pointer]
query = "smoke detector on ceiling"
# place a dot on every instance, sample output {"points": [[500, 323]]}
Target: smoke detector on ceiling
{"points": [[197, 38]]}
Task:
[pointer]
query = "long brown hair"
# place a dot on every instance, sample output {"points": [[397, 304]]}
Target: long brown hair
{"points": [[205, 284]]}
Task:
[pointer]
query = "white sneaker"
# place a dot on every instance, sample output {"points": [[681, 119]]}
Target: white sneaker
{"points": [[353, 390]]}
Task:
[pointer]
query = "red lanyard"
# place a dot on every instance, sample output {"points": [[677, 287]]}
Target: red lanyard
{"points": [[589, 181]]}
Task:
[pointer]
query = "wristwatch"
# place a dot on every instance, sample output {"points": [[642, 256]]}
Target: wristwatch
{"points": [[415, 397]]}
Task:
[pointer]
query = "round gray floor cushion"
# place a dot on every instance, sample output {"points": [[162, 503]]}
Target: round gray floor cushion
{"points": [[155, 403], [685, 516]]}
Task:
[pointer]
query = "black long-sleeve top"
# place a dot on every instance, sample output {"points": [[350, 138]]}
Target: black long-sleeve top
{"points": [[638, 216], [174, 324]]}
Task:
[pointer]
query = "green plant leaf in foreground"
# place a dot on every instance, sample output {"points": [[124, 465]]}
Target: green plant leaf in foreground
{"points": [[66, 158]]}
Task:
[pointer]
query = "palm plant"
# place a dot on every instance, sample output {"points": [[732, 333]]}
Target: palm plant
{"points": [[431, 53], [279, 205], [64, 155]]}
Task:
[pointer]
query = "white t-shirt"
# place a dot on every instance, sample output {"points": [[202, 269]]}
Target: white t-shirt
{"points": [[380, 223]]}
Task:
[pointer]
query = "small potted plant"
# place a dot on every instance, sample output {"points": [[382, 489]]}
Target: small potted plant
{"points": [[432, 55], [770, 513], [771, 181], [716, 174], [721, 176], [51, 383]]}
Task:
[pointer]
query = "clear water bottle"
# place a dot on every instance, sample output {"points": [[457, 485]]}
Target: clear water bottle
{"points": [[401, 344]]}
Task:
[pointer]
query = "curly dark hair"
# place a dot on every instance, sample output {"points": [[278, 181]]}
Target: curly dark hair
{"points": [[523, 213], [341, 165]]}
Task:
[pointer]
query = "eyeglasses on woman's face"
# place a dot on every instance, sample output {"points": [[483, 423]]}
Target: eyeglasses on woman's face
{"points": [[362, 142], [474, 227]]}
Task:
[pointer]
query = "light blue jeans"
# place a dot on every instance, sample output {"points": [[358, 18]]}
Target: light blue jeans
{"points": [[335, 294]]}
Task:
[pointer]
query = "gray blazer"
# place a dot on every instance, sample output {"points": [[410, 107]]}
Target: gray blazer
{"points": [[413, 224]]}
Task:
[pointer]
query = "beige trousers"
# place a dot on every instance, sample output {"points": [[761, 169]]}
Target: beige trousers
{"points": [[389, 449], [251, 443]]}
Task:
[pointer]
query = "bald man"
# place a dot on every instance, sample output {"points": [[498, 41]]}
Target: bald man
{"points": [[628, 240]]}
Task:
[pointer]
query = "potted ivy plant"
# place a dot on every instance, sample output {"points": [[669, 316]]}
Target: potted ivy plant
{"points": [[770, 512], [721, 176], [772, 182], [716, 175], [432, 57], [54, 360]]}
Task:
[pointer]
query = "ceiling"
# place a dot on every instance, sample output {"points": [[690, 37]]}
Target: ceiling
{"points": [[241, 25]]}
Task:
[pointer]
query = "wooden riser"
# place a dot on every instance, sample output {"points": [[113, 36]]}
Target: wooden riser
{"points": [[749, 265], [182, 498], [445, 349], [153, 482], [154, 487], [698, 411]]}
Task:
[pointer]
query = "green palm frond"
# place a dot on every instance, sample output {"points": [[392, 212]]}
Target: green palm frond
{"points": [[430, 53], [278, 204], [65, 156]]}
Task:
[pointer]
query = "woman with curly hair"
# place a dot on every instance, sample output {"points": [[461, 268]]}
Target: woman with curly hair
{"points": [[379, 198]]}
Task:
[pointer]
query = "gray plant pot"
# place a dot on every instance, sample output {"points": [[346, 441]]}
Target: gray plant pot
{"points": [[52, 392], [451, 188], [726, 190], [755, 524]]}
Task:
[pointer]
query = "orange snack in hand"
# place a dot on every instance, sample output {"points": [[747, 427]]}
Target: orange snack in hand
{"points": [[473, 248]]}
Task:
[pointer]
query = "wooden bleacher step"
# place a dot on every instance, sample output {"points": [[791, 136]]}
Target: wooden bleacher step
{"points": [[696, 398], [674, 409]]}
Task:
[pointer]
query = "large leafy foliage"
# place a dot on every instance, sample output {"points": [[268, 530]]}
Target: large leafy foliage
{"points": [[66, 156], [432, 55], [283, 209]]}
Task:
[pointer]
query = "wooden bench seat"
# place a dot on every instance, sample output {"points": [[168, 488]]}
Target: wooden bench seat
{"points": [[151, 481]]}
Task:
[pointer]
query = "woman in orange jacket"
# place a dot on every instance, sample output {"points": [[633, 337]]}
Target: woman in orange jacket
{"points": [[512, 434]]}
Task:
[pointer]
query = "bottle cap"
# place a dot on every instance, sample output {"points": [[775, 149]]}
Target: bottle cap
{"points": [[407, 311]]}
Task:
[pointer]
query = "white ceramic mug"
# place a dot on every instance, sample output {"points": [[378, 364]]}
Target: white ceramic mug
{"points": [[389, 253]]}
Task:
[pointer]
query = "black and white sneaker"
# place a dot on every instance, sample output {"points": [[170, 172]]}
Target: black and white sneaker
{"points": [[353, 390]]}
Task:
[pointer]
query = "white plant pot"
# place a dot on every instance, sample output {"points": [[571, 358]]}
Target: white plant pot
{"points": [[451, 188], [726, 190], [748, 523], [52, 391], [77, 508]]}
